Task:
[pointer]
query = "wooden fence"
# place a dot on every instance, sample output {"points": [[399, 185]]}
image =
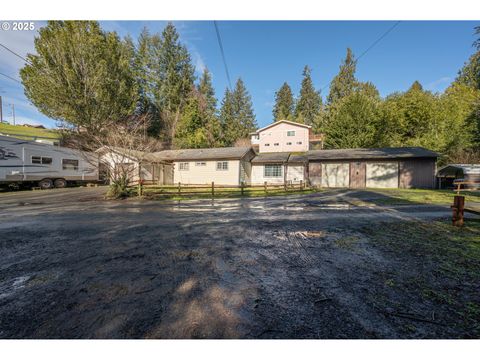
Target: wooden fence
{"points": [[467, 185], [213, 190]]}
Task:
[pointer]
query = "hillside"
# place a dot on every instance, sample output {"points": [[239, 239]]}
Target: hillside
{"points": [[27, 133]]}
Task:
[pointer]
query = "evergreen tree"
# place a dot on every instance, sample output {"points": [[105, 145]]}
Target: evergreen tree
{"points": [[284, 104], [237, 116], [344, 83], [175, 79], [309, 102], [353, 120], [81, 76]]}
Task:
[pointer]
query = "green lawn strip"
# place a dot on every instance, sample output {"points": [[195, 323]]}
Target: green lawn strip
{"points": [[28, 132], [447, 259], [420, 196]]}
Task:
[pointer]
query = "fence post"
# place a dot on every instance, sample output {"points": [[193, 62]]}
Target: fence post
{"points": [[458, 208], [284, 185], [242, 184], [179, 188], [301, 185], [265, 186], [213, 189]]}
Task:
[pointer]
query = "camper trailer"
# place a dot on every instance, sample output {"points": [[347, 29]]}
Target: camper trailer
{"points": [[31, 163]]}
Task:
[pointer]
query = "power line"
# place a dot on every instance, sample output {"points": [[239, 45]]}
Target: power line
{"points": [[373, 45], [11, 78], [223, 54], [16, 54]]}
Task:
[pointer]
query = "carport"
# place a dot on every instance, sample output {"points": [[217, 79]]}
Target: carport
{"points": [[406, 167]]}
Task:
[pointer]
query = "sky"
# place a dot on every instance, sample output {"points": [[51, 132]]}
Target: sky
{"points": [[267, 53]]}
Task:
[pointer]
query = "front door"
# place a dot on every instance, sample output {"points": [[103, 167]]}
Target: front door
{"points": [[357, 175]]}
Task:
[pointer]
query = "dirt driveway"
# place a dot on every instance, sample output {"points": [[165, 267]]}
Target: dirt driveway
{"points": [[318, 266]]}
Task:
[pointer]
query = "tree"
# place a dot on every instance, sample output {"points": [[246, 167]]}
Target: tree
{"points": [[284, 104], [199, 126], [309, 102], [81, 75], [344, 83], [237, 116], [175, 78], [353, 121]]}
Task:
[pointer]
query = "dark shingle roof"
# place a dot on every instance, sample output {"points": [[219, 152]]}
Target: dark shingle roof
{"points": [[202, 154], [279, 157], [380, 153]]}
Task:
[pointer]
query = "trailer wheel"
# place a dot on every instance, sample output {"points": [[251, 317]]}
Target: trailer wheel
{"points": [[45, 184], [60, 183]]}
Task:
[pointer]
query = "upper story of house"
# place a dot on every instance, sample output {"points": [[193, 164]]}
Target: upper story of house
{"points": [[283, 136]]}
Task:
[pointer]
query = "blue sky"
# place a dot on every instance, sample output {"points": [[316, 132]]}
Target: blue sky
{"points": [[267, 53]]}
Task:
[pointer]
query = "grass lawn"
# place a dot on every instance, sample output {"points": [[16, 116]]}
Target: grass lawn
{"points": [[27, 132], [406, 196], [450, 261]]}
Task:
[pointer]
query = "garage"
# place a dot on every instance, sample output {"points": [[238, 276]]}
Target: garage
{"points": [[382, 175], [403, 167], [336, 175]]}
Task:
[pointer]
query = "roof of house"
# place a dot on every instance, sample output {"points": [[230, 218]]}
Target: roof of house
{"points": [[280, 122], [451, 169], [380, 153], [202, 154], [279, 157]]}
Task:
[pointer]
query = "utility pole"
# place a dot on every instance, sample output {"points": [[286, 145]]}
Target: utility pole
{"points": [[13, 113], [1, 110]]}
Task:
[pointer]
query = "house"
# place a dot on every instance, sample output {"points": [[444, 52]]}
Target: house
{"points": [[403, 167], [287, 152], [451, 172], [224, 166]]}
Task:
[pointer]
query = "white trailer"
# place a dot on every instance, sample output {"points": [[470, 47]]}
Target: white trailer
{"points": [[47, 166]]}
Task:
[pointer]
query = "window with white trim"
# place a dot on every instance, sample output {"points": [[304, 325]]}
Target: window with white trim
{"points": [[291, 133], [69, 164], [183, 166], [41, 160], [202, 163], [289, 143], [276, 144], [222, 165], [299, 143], [272, 170], [267, 144]]}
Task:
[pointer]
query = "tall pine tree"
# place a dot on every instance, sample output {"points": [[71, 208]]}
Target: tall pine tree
{"points": [[309, 102], [284, 104], [344, 83], [237, 116]]}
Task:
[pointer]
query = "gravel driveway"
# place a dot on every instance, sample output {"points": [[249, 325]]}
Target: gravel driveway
{"points": [[75, 266]]}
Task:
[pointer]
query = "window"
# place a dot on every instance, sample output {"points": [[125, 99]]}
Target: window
{"points": [[272, 170], [201, 164], [291, 133], [222, 165], [255, 137], [41, 160], [69, 164], [299, 143], [276, 144], [183, 166], [267, 144], [289, 143]]}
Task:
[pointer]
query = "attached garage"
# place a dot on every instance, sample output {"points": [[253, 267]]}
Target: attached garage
{"points": [[406, 167], [382, 175], [335, 175]]}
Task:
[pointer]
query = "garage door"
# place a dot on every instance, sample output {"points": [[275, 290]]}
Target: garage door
{"points": [[382, 175], [335, 175]]}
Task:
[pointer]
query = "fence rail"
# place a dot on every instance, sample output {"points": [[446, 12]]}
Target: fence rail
{"points": [[213, 189], [471, 185]]}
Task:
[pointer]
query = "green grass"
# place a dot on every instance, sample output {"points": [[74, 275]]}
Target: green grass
{"points": [[27, 132], [406, 196], [171, 193]]}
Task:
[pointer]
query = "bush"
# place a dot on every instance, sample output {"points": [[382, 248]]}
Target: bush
{"points": [[118, 189]]}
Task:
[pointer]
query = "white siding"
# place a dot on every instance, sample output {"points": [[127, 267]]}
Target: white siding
{"points": [[382, 175], [258, 177], [206, 174], [336, 175], [295, 173]]}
